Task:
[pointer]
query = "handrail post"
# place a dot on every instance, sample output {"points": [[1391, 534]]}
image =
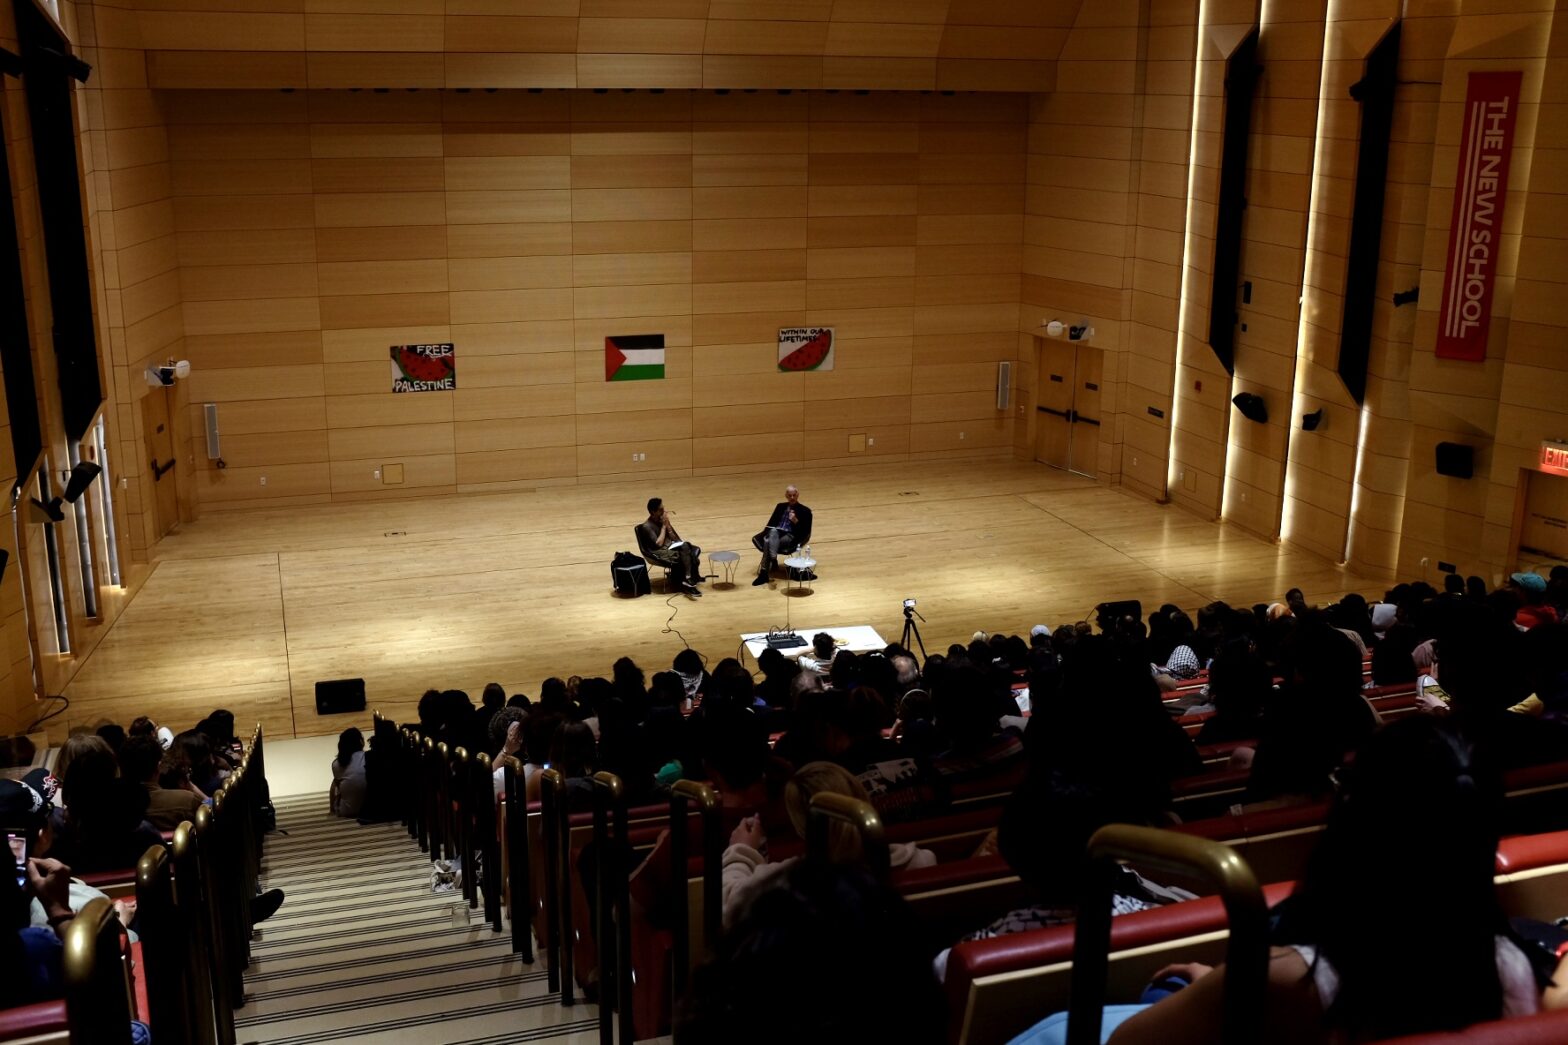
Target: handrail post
{"points": [[191, 907], [1246, 952], [827, 807], [557, 884], [164, 959], [613, 909], [483, 791], [96, 998], [519, 888], [681, 793], [459, 805]]}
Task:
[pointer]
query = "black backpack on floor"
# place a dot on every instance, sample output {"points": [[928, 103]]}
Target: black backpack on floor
{"points": [[629, 574]]}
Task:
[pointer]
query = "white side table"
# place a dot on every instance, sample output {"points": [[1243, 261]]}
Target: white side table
{"points": [[799, 565], [724, 566]]}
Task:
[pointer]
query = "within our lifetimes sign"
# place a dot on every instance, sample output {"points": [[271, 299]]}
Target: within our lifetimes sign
{"points": [[1475, 234]]}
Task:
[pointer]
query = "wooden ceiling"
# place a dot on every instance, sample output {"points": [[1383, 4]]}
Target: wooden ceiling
{"points": [[992, 45]]}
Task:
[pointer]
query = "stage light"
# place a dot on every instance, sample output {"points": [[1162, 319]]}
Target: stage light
{"points": [[45, 513], [1252, 407], [82, 475]]}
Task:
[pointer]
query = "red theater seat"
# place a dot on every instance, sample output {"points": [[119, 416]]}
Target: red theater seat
{"points": [[1547, 1028], [26, 1022]]}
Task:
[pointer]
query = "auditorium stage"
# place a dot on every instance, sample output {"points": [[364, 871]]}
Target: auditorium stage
{"points": [[246, 610]]}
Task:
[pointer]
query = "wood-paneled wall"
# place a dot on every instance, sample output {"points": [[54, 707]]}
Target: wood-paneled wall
{"points": [[316, 229], [1279, 192], [130, 217], [16, 681], [1107, 204], [1378, 494], [990, 45]]}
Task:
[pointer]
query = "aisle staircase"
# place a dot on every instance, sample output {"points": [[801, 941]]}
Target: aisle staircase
{"points": [[364, 951]]}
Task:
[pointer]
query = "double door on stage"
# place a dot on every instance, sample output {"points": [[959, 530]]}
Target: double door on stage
{"points": [[1067, 402]]}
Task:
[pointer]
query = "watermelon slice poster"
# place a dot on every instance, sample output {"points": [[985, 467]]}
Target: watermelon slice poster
{"points": [[423, 368], [806, 348]]}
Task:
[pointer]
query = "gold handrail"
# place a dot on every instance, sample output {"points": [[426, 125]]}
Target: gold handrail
{"points": [[1246, 953], [97, 995], [707, 802], [557, 884], [613, 906], [827, 807]]}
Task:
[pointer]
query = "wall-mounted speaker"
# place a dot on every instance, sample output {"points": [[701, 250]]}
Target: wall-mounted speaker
{"points": [[337, 696], [1456, 460], [213, 449], [1004, 383], [1252, 407]]}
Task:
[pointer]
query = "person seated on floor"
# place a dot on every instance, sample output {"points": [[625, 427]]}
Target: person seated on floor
{"points": [[748, 870], [1417, 806], [348, 774], [141, 759], [385, 785], [103, 825]]}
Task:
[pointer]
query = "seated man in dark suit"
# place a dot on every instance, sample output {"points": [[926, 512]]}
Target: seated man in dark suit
{"points": [[658, 541], [788, 529]]}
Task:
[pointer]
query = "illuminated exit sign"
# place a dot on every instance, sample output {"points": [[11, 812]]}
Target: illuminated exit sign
{"points": [[1554, 458]]}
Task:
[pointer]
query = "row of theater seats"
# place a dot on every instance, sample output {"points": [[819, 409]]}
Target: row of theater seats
{"points": [[533, 871], [184, 975]]}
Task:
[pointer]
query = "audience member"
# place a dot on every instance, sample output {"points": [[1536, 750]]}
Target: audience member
{"points": [[103, 825], [348, 774], [141, 759], [841, 951], [1419, 807], [747, 868]]}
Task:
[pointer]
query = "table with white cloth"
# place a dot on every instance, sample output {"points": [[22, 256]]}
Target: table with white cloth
{"points": [[857, 638]]}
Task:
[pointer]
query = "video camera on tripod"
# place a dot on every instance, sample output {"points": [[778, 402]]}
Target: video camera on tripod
{"points": [[911, 629]]}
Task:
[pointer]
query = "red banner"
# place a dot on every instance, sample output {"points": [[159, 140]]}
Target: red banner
{"points": [[1480, 190]]}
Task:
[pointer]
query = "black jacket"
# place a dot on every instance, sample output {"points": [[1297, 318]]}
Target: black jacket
{"points": [[801, 528]]}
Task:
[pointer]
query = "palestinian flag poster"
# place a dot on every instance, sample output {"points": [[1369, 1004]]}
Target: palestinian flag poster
{"points": [[806, 348], [423, 368], [634, 357]]}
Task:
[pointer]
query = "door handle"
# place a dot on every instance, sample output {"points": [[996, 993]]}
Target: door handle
{"points": [[159, 469], [1053, 413]]}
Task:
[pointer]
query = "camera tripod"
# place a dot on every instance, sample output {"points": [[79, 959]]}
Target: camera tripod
{"points": [[912, 631]]}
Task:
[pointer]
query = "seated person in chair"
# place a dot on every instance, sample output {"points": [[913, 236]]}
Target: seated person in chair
{"points": [[788, 529], [658, 541]]}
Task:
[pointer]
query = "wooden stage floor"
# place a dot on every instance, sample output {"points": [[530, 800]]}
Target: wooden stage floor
{"points": [[247, 610]]}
